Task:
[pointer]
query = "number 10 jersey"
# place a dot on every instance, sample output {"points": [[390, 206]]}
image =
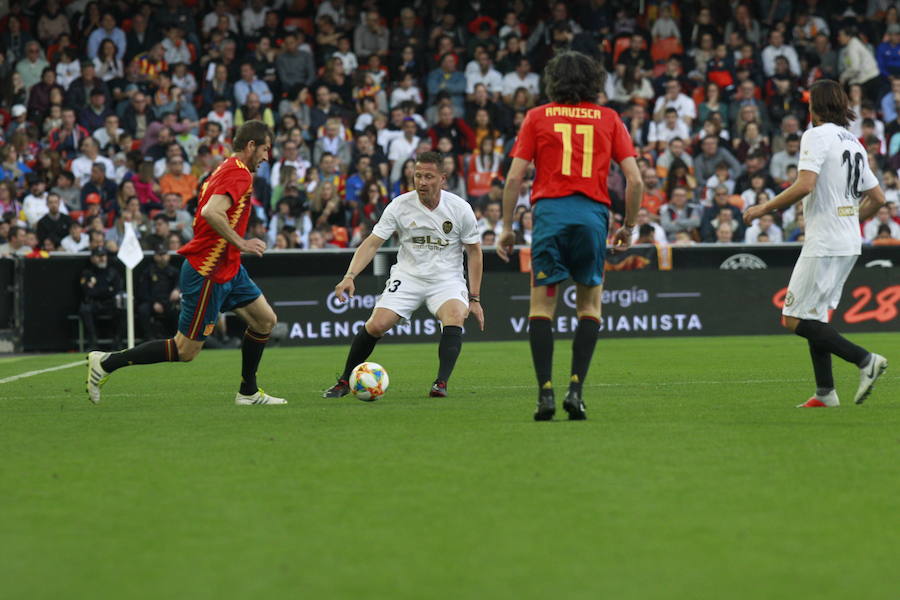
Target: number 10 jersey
{"points": [[832, 208]]}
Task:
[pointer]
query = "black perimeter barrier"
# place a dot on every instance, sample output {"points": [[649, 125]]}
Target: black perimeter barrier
{"points": [[678, 291]]}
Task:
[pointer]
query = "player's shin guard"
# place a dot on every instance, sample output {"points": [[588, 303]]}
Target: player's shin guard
{"points": [[828, 339], [583, 349], [251, 353], [540, 334], [360, 349], [448, 351], [148, 353], [821, 360]]}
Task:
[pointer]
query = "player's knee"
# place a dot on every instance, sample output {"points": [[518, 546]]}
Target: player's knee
{"points": [[376, 328], [454, 318], [187, 351], [266, 323]]}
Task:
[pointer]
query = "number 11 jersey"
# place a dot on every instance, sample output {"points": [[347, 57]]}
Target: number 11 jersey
{"points": [[832, 208], [571, 146]]}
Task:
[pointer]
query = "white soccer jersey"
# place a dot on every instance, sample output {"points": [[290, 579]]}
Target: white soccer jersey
{"points": [[430, 240], [832, 208]]}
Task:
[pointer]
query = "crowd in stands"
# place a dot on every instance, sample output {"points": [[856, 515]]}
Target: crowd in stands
{"points": [[114, 112]]}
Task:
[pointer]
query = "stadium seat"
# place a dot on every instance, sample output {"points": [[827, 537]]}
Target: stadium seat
{"points": [[622, 44], [662, 49]]}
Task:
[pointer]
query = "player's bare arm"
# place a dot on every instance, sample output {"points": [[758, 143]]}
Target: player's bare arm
{"points": [[215, 213], [361, 259], [476, 268], [510, 196], [805, 183], [634, 193], [871, 201]]}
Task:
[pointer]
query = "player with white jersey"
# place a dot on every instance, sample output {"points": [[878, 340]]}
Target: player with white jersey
{"points": [[839, 191], [434, 228]]}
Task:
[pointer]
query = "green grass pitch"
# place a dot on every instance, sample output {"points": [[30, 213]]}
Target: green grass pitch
{"points": [[694, 477]]}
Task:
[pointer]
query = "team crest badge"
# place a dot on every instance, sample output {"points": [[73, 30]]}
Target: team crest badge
{"points": [[209, 329], [447, 226], [789, 299]]}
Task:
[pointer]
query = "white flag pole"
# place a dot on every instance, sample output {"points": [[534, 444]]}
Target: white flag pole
{"points": [[129, 292], [131, 255]]}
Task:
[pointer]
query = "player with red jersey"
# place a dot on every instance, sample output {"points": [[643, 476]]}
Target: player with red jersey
{"points": [[212, 276], [571, 142]]}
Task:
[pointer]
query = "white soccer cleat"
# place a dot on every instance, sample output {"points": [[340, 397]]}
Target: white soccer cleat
{"points": [[96, 376], [829, 400], [260, 397], [868, 375]]}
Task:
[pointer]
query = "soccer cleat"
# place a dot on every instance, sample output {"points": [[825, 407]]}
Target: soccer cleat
{"points": [[338, 390], [96, 376], [546, 405], [259, 398], [438, 389], [829, 400], [574, 405], [868, 375]]}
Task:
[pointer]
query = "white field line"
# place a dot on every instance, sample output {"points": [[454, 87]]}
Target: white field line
{"points": [[12, 378]]}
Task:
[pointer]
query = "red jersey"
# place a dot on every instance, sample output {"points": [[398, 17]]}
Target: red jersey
{"points": [[571, 146], [208, 252]]}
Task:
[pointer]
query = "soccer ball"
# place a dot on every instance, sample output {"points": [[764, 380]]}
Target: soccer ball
{"points": [[368, 381]]}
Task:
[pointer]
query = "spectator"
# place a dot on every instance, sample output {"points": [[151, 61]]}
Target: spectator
{"points": [[721, 211], [93, 116], [447, 79], [80, 90], [485, 75], [90, 155], [888, 53], [295, 67], [39, 97], [371, 37], [673, 98], [765, 226], [158, 297], [107, 31], [52, 23], [55, 224], [67, 68], [180, 220], [140, 38], [99, 287], [725, 233], [646, 220], [781, 160], [679, 215], [16, 243], [670, 128], [254, 109], [32, 65], [103, 189], [76, 240], [705, 163], [776, 48], [253, 18], [882, 219], [492, 220], [522, 77], [403, 147], [457, 130], [177, 182], [34, 205], [68, 193], [333, 143], [408, 32], [250, 83], [858, 66]]}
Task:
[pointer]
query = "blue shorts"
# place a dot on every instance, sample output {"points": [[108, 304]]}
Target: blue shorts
{"points": [[569, 240], [202, 300]]}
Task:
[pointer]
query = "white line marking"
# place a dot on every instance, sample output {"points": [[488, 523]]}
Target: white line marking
{"points": [[42, 371], [296, 303], [679, 295]]}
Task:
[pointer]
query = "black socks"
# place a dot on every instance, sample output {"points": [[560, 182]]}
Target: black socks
{"points": [[251, 353], [360, 349], [583, 349], [821, 360], [148, 353], [827, 339], [540, 335], [448, 350]]}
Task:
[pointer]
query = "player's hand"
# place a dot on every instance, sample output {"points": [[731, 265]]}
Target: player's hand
{"points": [[505, 245], [254, 246], [476, 309], [753, 213], [622, 239], [344, 286]]}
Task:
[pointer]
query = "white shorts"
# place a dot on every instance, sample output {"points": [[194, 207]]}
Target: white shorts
{"points": [[816, 286], [405, 293]]}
